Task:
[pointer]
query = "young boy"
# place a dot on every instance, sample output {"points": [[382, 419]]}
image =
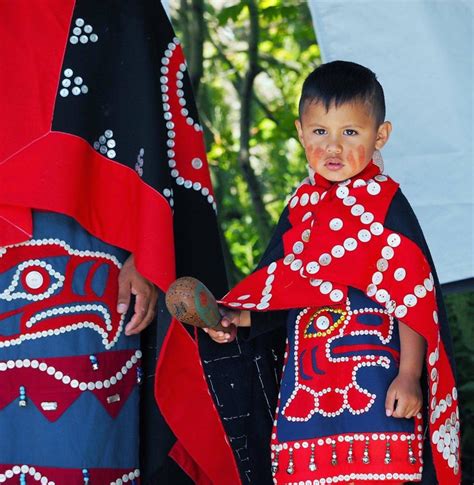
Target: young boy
{"points": [[349, 264]]}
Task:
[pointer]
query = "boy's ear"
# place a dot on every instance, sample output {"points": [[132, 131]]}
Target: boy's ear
{"points": [[383, 134], [299, 129]]}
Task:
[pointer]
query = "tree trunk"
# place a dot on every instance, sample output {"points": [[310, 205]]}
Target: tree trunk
{"points": [[246, 97]]}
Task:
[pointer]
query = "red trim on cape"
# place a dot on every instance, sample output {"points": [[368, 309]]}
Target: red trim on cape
{"points": [[201, 435]]}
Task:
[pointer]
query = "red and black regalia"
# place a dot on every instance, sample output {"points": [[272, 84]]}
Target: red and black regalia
{"points": [[101, 156], [347, 261]]}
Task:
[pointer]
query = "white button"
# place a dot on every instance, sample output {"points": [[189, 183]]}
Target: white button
{"points": [[298, 247], [390, 306], [336, 295], [410, 300], [289, 258], [306, 216], [381, 178], [312, 267], [373, 188], [263, 305], [304, 199], [364, 235], [306, 235], [344, 183], [342, 192], [387, 252], [376, 228], [432, 359], [435, 316], [371, 290], [428, 284], [359, 183], [325, 288], [400, 311], [420, 291], [294, 201], [367, 217], [394, 240], [269, 280], [338, 251], [322, 322], [271, 268], [314, 199], [350, 244], [382, 296], [399, 274], [296, 264], [377, 278], [382, 264], [325, 259], [34, 279], [348, 201], [315, 282], [335, 224], [357, 209]]}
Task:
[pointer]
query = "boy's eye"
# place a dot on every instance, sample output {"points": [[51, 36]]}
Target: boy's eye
{"points": [[319, 131], [350, 132]]}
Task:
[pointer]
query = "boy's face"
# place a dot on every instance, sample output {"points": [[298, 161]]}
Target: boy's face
{"points": [[339, 143]]}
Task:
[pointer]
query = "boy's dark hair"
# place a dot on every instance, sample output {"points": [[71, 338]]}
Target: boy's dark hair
{"points": [[341, 82]]}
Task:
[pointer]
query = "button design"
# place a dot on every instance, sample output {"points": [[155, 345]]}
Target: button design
{"points": [[357, 209], [373, 188], [394, 240], [382, 264], [410, 300], [350, 244], [304, 199], [342, 192], [388, 252], [336, 224], [377, 278], [322, 322], [325, 287], [338, 251], [364, 235], [399, 274], [376, 228], [314, 199], [312, 267], [296, 264], [382, 296], [294, 201], [336, 295], [325, 259], [298, 247], [367, 217]]}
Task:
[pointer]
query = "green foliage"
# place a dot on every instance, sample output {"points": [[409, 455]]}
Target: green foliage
{"points": [[460, 309]]}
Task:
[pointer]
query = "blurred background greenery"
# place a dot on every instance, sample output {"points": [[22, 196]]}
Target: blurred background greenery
{"points": [[247, 61]]}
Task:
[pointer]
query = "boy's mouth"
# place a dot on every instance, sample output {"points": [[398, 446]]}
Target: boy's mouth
{"points": [[333, 163]]}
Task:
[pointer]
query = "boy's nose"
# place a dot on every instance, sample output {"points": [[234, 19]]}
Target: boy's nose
{"points": [[334, 148]]}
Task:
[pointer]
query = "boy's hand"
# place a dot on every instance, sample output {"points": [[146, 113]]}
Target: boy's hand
{"points": [[229, 317], [405, 390], [131, 282]]}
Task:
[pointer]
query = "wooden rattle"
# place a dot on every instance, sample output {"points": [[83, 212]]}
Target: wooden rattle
{"points": [[189, 301]]}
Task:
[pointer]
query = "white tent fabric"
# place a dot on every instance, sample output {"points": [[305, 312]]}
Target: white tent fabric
{"points": [[422, 52]]}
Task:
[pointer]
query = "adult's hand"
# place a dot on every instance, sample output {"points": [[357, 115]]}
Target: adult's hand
{"points": [[131, 282]]}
